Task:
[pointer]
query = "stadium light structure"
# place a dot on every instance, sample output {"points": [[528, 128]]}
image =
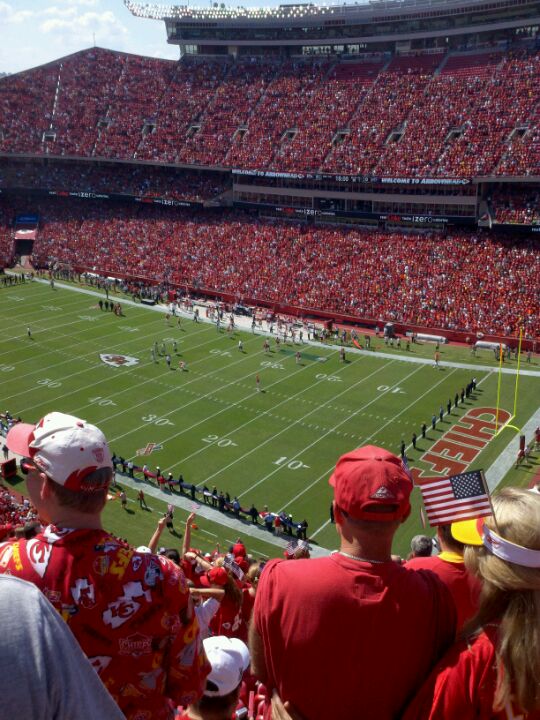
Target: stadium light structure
{"points": [[179, 12]]}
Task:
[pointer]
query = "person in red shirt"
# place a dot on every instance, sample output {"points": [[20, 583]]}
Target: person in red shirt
{"points": [[228, 620], [493, 673], [130, 611], [353, 634], [450, 567]]}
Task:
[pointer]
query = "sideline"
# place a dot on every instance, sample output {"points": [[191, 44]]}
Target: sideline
{"points": [[507, 459], [244, 323], [209, 513]]}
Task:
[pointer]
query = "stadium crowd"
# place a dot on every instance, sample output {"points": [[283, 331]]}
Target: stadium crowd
{"points": [[472, 282], [15, 512], [522, 207], [138, 180], [432, 115], [167, 629]]}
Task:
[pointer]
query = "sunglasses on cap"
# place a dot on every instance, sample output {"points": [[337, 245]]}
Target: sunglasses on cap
{"points": [[27, 465]]}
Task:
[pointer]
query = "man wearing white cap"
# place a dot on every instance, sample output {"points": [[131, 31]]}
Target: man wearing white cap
{"points": [[130, 611], [229, 658]]}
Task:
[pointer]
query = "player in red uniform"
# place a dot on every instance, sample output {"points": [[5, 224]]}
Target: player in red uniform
{"points": [[130, 611], [494, 673]]}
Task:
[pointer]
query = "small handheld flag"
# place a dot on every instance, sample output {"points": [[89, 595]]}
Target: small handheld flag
{"points": [[459, 497]]}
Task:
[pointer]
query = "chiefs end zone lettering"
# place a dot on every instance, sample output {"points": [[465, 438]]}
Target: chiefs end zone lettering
{"points": [[460, 446]]}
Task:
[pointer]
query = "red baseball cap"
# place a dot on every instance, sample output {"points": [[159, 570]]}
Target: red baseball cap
{"points": [[215, 576], [239, 549], [242, 563], [371, 483]]}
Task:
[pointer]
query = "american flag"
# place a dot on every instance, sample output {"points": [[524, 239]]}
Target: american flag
{"points": [[230, 564], [459, 497], [294, 545]]}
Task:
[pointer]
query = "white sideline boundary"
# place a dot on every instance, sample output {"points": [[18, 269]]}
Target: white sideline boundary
{"points": [[212, 514], [506, 460], [243, 323]]}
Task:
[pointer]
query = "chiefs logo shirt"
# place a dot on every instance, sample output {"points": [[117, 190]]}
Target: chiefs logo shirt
{"points": [[131, 613]]}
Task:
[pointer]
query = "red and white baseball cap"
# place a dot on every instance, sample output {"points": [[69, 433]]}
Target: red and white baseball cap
{"points": [[64, 447], [371, 483]]}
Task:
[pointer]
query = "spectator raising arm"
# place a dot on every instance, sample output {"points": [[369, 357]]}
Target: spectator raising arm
{"points": [[187, 534], [157, 534]]}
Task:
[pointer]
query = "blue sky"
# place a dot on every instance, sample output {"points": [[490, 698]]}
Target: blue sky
{"points": [[34, 32]]}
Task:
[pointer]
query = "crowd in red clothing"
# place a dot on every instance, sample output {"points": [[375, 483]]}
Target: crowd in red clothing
{"points": [[14, 512], [521, 207], [472, 282], [139, 180], [477, 115]]}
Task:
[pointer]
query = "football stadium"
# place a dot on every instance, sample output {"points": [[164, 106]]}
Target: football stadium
{"points": [[314, 237]]}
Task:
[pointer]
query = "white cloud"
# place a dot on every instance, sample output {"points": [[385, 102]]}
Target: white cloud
{"points": [[169, 52], [9, 16], [55, 28], [82, 29], [56, 11], [85, 3]]}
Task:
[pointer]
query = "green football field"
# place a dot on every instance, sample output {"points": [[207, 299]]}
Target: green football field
{"points": [[275, 447]]}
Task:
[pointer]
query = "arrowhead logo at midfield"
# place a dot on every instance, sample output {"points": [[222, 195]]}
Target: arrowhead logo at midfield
{"points": [[119, 360]]}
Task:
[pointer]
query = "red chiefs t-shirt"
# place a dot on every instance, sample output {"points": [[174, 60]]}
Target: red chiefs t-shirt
{"points": [[345, 639], [464, 587], [463, 685], [228, 620], [130, 612]]}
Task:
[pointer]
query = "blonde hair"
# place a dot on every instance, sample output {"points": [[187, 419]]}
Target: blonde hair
{"points": [[510, 597]]}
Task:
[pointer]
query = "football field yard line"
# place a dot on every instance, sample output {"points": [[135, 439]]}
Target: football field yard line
{"points": [[210, 513], [198, 399], [295, 422], [417, 399], [99, 382], [248, 422], [56, 351], [327, 472], [99, 365], [322, 527]]}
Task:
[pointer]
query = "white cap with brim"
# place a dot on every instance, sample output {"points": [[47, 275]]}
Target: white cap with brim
{"points": [[229, 658], [64, 447]]}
